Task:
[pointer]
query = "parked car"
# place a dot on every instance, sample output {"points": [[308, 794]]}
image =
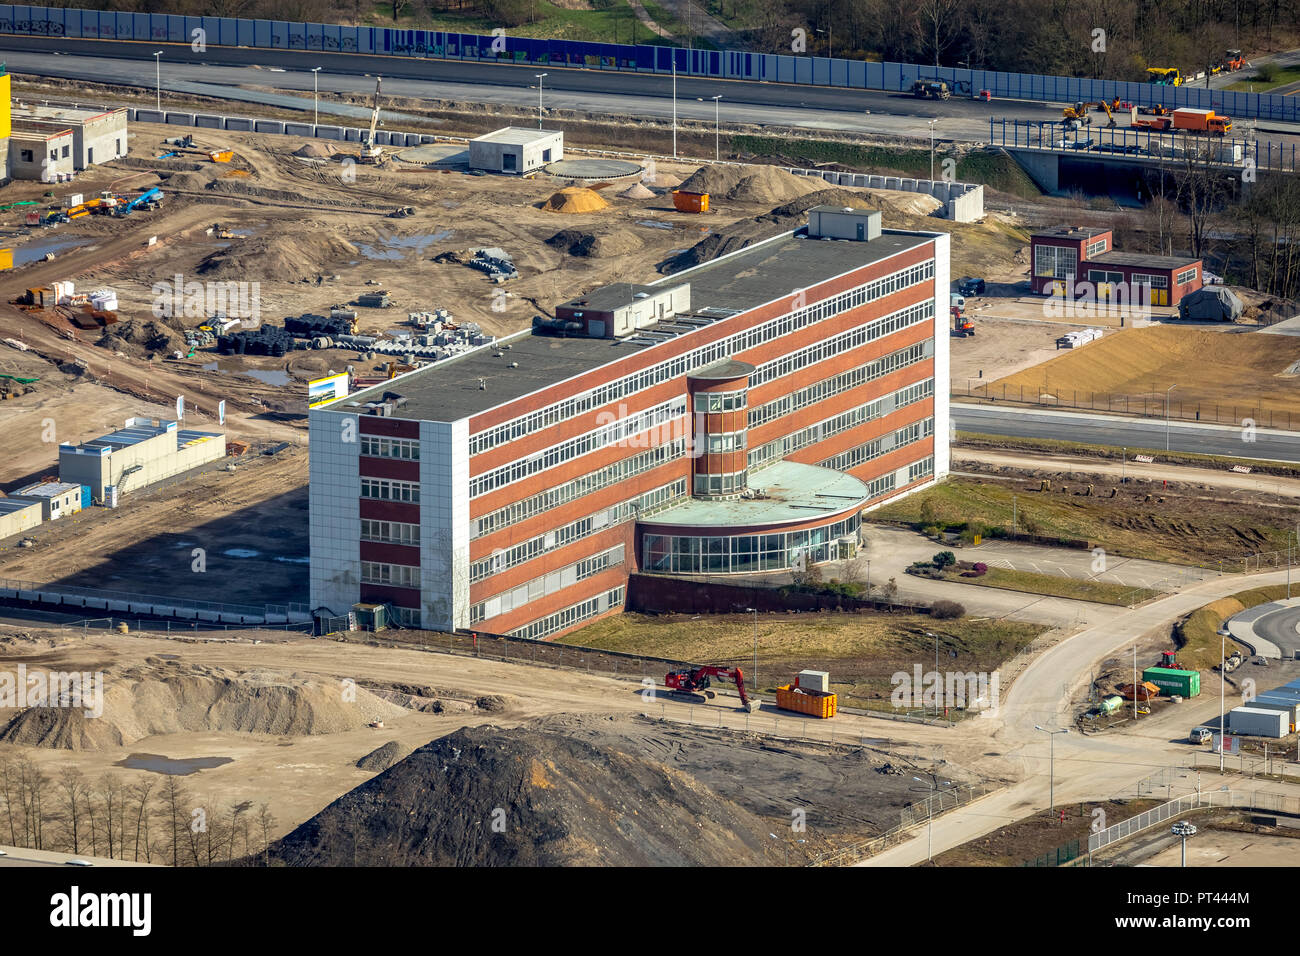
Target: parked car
{"points": [[1199, 735], [969, 286]]}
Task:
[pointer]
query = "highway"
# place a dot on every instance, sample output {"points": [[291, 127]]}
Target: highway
{"points": [[1269, 444], [224, 70]]}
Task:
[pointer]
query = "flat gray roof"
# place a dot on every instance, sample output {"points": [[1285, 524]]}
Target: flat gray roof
{"points": [[515, 136], [1141, 259], [10, 505], [791, 492], [449, 390]]}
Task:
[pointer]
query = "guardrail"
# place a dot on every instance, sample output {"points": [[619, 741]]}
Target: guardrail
{"points": [[729, 64], [68, 596]]}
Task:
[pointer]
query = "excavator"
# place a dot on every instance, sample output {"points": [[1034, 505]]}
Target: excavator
{"points": [[692, 680], [1077, 115], [371, 152]]}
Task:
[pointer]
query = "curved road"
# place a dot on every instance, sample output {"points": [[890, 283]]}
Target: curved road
{"points": [[1272, 629]]}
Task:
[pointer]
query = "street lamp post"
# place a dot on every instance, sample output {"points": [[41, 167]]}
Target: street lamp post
{"points": [[673, 60], [936, 668], [1223, 680], [830, 41], [1051, 761], [157, 72], [540, 77], [932, 122], [1167, 391], [755, 613], [315, 92], [1184, 829], [717, 148]]}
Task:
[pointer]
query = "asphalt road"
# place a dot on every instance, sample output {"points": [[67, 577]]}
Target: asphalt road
{"points": [[1272, 629], [1269, 445], [635, 94]]}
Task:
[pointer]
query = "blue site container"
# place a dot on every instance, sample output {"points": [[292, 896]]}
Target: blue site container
{"points": [[86, 500]]}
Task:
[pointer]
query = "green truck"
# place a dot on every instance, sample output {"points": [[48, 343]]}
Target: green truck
{"points": [[1171, 682]]}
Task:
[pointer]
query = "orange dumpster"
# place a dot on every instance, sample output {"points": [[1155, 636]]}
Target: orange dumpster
{"points": [[802, 701], [690, 202]]}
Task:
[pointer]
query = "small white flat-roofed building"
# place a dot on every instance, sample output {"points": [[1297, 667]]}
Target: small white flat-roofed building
{"points": [[515, 150], [57, 499], [40, 152], [98, 136], [18, 515], [140, 453]]}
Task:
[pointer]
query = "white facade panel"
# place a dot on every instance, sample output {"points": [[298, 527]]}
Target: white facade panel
{"points": [[334, 512], [444, 524]]}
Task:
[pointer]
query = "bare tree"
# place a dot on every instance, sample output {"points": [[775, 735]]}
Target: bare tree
{"points": [[265, 826], [939, 20], [72, 788], [139, 794]]}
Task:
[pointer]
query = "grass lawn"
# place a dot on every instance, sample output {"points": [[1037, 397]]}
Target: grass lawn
{"points": [[1032, 582], [861, 650], [1281, 77]]}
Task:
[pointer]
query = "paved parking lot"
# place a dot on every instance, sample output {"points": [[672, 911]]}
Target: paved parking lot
{"points": [[1085, 565]]}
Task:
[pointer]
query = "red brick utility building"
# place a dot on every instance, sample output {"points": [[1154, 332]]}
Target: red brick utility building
{"points": [[1070, 255], [734, 417]]}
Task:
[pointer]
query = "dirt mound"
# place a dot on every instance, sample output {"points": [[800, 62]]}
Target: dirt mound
{"points": [[141, 339], [748, 231], [486, 796], [767, 185], [591, 246], [637, 191], [384, 757], [575, 199], [144, 701], [279, 258], [664, 181], [315, 150], [190, 181]]}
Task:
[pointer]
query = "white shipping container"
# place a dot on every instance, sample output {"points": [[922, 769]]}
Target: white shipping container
{"points": [[1255, 722], [75, 199]]}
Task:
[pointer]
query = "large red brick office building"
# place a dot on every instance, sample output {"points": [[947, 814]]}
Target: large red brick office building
{"points": [[734, 417]]}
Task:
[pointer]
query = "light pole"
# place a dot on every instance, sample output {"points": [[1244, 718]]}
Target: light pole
{"points": [[755, 612], [830, 41], [673, 60], [315, 92], [932, 122], [1123, 464], [540, 77], [1184, 829], [936, 668], [1051, 761], [157, 73], [1167, 391], [717, 149], [1013, 516], [1223, 680]]}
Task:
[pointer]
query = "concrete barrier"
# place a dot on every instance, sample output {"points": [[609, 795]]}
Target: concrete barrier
{"points": [[329, 132], [97, 603], [149, 116], [180, 119], [239, 123], [119, 605], [892, 182], [968, 207], [209, 121], [297, 129], [210, 616], [427, 138], [268, 126], [351, 134]]}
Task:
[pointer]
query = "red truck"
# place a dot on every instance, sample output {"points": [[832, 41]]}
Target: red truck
{"points": [[1196, 121]]}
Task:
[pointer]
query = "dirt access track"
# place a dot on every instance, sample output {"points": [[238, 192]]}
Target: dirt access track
{"points": [[846, 796]]}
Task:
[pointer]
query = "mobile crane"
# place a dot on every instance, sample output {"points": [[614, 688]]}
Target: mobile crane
{"points": [[371, 152]]}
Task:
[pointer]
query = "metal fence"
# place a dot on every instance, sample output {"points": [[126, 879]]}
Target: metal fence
{"points": [[941, 801], [1140, 144], [1244, 799], [1062, 855], [67, 596], [729, 64]]}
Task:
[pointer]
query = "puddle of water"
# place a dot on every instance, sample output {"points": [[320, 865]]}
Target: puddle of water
{"points": [[655, 225], [396, 247], [37, 250], [271, 376], [172, 766], [294, 560], [241, 553]]}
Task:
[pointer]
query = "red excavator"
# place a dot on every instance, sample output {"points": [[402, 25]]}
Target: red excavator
{"points": [[698, 679]]}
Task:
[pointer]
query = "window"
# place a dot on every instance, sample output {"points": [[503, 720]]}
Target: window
{"points": [[375, 447], [720, 401], [385, 490], [393, 575], [547, 584], [571, 615], [1100, 276], [1055, 262], [389, 532], [1186, 276], [27, 155], [728, 484], [1095, 248], [731, 441], [66, 151], [687, 554]]}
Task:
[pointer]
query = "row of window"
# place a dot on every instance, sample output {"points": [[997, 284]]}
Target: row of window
{"points": [[404, 616], [602, 437], [1056, 261], [732, 484], [396, 575], [788, 444], [500, 561], [1156, 282], [389, 532], [403, 448], [570, 615], [1095, 248], [606, 477], [1186, 276], [385, 489], [721, 401], [697, 358], [844, 342], [739, 554], [546, 584], [906, 435], [921, 469], [836, 384], [719, 444]]}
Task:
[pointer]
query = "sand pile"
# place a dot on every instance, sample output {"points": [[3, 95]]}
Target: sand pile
{"points": [[663, 181], [575, 199], [591, 246], [316, 150], [767, 185], [384, 757], [168, 699], [558, 801], [637, 191], [903, 203], [282, 258]]}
